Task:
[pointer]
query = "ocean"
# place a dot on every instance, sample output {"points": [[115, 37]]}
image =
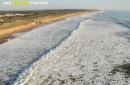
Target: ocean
{"points": [[96, 46], [118, 17]]}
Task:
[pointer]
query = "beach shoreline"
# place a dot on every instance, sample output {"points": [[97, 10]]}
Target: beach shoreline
{"points": [[21, 52], [8, 32]]}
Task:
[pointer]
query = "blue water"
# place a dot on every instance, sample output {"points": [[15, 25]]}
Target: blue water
{"points": [[119, 17]]}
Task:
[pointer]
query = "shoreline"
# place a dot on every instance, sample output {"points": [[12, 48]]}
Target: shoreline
{"points": [[8, 32], [29, 47]]}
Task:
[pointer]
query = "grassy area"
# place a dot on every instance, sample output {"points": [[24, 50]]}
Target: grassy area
{"points": [[14, 24], [37, 14]]}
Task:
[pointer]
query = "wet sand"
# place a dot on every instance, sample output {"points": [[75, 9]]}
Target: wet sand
{"points": [[2, 41]]}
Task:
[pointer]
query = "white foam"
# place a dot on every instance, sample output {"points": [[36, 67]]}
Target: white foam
{"points": [[90, 15], [18, 52], [86, 57]]}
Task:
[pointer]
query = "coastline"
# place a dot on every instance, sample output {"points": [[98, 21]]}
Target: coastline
{"points": [[22, 52], [8, 32]]}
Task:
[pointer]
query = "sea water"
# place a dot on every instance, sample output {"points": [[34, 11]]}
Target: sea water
{"points": [[118, 17]]}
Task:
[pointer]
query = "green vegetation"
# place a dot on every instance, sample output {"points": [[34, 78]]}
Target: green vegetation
{"points": [[29, 16], [34, 14]]}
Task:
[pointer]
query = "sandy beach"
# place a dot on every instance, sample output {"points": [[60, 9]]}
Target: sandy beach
{"points": [[8, 32]]}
